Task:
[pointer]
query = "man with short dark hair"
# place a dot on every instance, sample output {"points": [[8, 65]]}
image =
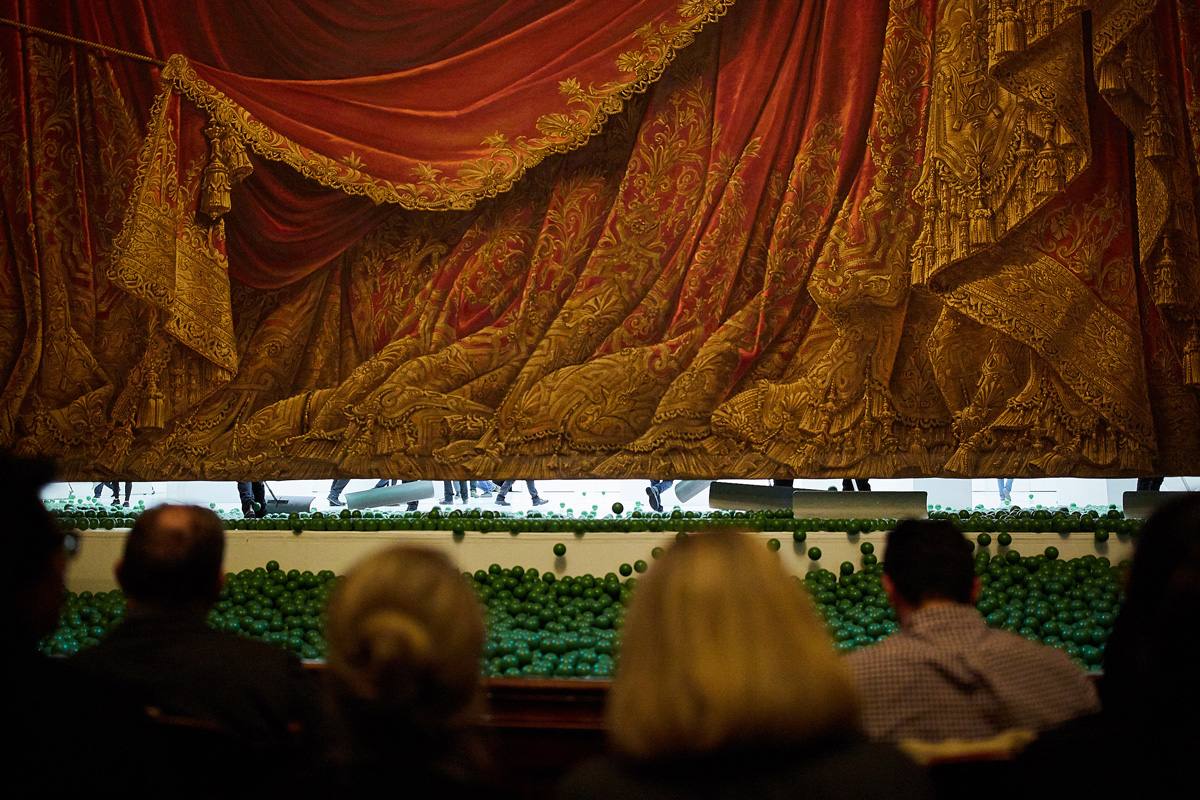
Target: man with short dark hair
{"points": [[946, 674], [165, 663]]}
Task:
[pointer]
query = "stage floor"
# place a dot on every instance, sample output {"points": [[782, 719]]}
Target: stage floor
{"points": [[581, 495]]}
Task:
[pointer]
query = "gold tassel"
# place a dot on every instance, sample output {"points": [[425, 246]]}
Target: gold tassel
{"points": [[1191, 357], [1157, 133], [236, 159], [228, 164], [1044, 15], [215, 186], [980, 230], [1111, 79], [153, 413], [1010, 31], [1048, 171], [1164, 290]]}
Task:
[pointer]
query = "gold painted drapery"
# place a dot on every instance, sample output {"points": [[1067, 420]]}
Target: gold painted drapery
{"points": [[877, 239]]}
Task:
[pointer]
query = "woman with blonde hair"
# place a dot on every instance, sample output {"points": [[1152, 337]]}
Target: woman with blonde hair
{"points": [[405, 634], [727, 686]]}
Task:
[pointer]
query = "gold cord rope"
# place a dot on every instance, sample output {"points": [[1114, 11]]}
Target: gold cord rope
{"points": [[83, 42]]}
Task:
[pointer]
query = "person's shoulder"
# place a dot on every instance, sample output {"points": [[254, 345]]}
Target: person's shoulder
{"points": [[853, 767], [250, 649], [893, 650], [600, 777], [1018, 647]]}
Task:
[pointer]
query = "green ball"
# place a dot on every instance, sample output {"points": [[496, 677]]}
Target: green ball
{"points": [[560, 549], [984, 539], [640, 566], [814, 553], [657, 552], [1051, 553], [799, 536], [870, 560], [679, 537], [772, 545], [847, 568], [866, 548], [1101, 535], [626, 570], [617, 507], [1005, 539]]}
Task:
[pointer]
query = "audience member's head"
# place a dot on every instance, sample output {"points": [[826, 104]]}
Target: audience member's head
{"points": [[173, 557], [1150, 660], [32, 591], [721, 648], [405, 637], [928, 561]]}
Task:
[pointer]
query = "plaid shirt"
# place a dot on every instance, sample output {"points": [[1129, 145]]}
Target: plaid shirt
{"points": [[946, 674]]}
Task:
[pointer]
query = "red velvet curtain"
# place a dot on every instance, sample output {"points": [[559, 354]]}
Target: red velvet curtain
{"points": [[832, 239], [393, 100]]}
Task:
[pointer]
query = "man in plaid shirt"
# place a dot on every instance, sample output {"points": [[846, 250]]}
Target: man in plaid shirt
{"points": [[946, 674]]}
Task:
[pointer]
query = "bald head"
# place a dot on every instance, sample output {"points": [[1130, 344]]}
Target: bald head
{"points": [[173, 557]]}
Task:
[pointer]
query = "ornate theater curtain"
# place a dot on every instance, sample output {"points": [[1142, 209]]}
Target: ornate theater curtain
{"points": [[885, 239]]}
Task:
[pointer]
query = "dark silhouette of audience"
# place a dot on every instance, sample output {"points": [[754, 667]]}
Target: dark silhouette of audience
{"points": [[728, 687], [405, 637], [946, 674], [190, 705], [38, 693], [1145, 736]]}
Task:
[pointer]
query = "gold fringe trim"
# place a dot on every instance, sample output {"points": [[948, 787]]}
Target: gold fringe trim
{"points": [[476, 180]]}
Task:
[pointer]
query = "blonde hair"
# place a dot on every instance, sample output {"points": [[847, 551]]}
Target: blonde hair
{"points": [[721, 647], [405, 634]]}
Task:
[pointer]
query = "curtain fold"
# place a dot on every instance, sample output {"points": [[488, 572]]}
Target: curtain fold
{"points": [[884, 239]]}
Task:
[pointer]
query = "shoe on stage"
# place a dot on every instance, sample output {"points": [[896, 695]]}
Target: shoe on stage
{"points": [[655, 498], [333, 501], [540, 501], [500, 501]]}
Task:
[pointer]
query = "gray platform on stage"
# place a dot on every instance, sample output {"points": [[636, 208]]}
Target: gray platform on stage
{"points": [[878, 505], [1140, 505], [686, 490], [394, 495], [748, 496], [287, 504]]}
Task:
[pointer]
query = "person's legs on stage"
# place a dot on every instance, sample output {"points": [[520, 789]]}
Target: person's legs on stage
{"points": [[504, 487], [412, 504], [533, 495], [252, 493], [116, 490], [128, 491], [259, 490], [654, 492], [335, 491]]}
